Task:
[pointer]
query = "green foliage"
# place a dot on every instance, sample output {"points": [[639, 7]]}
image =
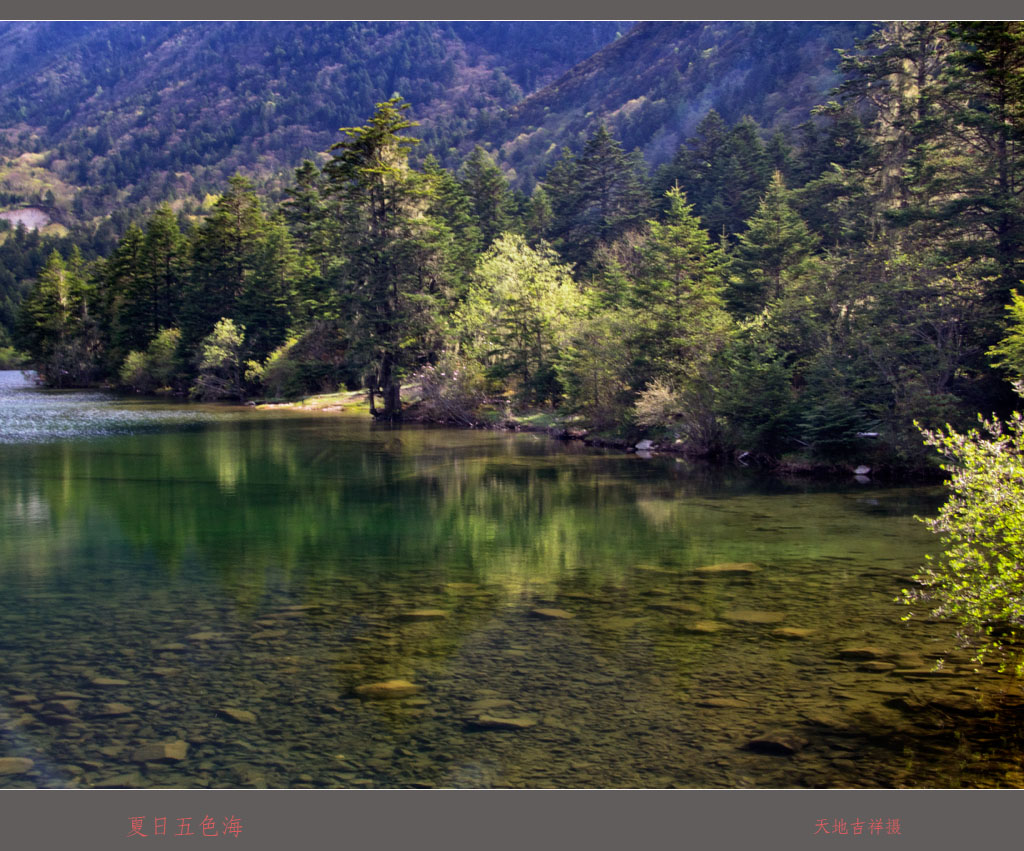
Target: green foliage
{"points": [[56, 328], [220, 363], [1008, 353], [676, 291], [594, 367], [390, 282], [723, 171], [156, 368], [770, 252], [11, 358], [976, 581], [518, 314], [595, 197], [489, 194], [755, 394]]}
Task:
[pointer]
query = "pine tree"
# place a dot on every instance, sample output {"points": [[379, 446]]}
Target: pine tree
{"points": [[596, 197], [164, 258], [55, 326], [678, 286], [225, 253], [125, 314], [490, 196], [770, 250], [387, 284], [679, 325]]}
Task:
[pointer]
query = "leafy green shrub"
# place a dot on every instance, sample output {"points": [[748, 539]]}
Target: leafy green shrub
{"points": [[220, 363], [11, 358], [146, 372], [978, 579]]}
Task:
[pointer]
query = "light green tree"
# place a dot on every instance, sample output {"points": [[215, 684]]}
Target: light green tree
{"points": [[1008, 353], [220, 363], [155, 368], [518, 315]]}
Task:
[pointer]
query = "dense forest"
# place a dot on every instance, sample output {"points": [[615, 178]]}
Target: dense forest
{"points": [[117, 115], [804, 295]]}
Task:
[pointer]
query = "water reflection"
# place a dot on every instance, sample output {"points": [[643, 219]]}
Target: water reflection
{"points": [[231, 584]]}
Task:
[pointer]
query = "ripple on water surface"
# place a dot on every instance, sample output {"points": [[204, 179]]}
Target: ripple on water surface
{"points": [[30, 414]]}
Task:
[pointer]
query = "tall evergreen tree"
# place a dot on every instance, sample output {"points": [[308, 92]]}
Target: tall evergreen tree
{"points": [[596, 197], [56, 327], [386, 284], [226, 252], [771, 249], [490, 196], [164, 258]]}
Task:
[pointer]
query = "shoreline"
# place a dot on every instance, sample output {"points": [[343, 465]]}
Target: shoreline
{"points": [[355, 402]]}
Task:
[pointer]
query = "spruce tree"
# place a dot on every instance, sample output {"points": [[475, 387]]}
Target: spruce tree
{"points": [[596, 197], [388, 283], [770, 250], [490, 196]]}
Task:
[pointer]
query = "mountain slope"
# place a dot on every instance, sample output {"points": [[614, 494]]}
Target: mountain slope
{"points": [[103, 117], [654, 85], [141, 111]]}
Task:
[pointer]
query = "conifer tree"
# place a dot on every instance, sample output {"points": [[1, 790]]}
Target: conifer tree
{"points": [[490, 196], [387, 284], [56, 327], [771, 249], [596, 197]]}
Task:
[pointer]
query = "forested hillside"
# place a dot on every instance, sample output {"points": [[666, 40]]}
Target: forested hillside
{"points": [[132, 114], [98, 117], [654, 85], [809, 297]]}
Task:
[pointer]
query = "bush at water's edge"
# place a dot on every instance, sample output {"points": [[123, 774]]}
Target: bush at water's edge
{"points": [[10, 358]]}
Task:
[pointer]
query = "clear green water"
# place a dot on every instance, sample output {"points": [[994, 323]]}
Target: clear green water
{"points": [[207, 558]]}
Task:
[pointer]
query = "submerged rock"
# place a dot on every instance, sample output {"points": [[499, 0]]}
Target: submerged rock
{"points": [[15, 765], [705, 627], [681, 608], [242, 716], [161, 752], [490, 722], [424, 615], [722, 703], [165, 672], [551, 614], [108, 682], [793, 633], [864, 652], [777, 743], [121, 781], [876, 667], [113, 710], [489, 703], [388, 690], [728, 568], [62, 706], [753, 616]]}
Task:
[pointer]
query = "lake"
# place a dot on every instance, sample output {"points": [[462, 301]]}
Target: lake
{"points": [[203, 596]]}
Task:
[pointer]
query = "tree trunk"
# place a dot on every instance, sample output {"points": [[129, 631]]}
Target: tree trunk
{"points": [[391, 389]]}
